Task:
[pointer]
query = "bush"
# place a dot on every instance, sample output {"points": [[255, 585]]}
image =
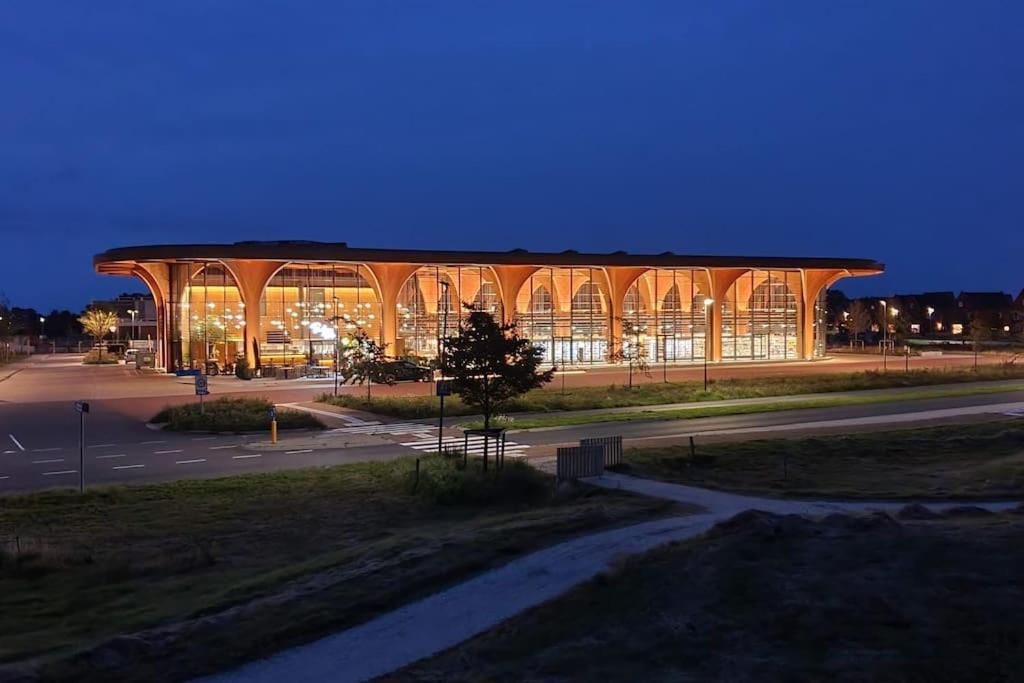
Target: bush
{"points": [[233, 415], [242, 369], [443, 481]]}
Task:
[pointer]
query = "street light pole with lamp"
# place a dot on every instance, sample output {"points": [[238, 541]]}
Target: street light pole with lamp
{"points": [[132, 312], [707, 309], [885, 331]]}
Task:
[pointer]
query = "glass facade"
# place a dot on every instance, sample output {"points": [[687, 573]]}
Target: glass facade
{"points": [[663, 311], [760, 316], [207, 316], [305, 308], [566, 312], [424, 309]]}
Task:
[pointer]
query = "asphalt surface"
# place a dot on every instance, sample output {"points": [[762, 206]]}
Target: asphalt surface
{"points": [[39, 433]]}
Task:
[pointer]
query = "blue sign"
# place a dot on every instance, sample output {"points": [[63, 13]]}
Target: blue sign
{"points": [[82, 406], [202, 386], [444, 387], [273, 412]]}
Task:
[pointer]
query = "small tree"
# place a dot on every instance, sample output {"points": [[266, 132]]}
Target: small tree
{"points": [[859, 320], [97, 323], [980, 333], [634, 353], [361, 361], [489, 363]]}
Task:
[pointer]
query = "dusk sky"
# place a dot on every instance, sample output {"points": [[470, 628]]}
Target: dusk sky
{"points": [[891, 130]]}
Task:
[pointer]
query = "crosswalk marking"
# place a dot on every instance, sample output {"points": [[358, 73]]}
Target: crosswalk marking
{"points": [[393, 429], [475, 445]]}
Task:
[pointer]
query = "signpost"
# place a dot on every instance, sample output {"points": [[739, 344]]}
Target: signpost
{"points": [[273, 424], [82, 407], [202, 389], [444, 388]]}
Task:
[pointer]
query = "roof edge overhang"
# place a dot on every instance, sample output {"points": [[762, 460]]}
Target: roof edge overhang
{"points": [[107, 261]]}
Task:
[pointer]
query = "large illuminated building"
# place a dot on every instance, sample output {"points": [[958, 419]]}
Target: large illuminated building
{"points": [[291, 303]]}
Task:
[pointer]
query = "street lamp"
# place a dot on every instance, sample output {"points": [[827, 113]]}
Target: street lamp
{"points": [[132, 312], [885, 330], [337, 352], [440, 357], [707, 309], [42, 326]]}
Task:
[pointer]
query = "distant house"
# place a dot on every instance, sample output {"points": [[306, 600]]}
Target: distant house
{"points": [[927, 313], [996, 309]]}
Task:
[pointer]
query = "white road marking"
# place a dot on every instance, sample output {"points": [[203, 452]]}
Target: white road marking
{"points": [[47, 474], [6, 452], [126, 467], [240, 457], [43, 462], [475, 446], [217, 448], [186, 462], [113, 455], [45, 450], [149, 443], [102, 445], [326, 413], [304, 450], [176, 450], [16, 442], [204, 438], [6, 476]]}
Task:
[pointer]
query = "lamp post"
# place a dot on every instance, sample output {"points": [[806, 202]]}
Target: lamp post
{"points": [[930, 311], [885, 330], [337, 352], [440, 358], [42, 327], [707, 309], [132, 312]]}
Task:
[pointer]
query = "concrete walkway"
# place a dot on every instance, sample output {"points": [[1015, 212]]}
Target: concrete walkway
{"points": [[445, 619]]}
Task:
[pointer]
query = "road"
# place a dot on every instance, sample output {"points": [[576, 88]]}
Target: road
{"points": [[39, 439]]}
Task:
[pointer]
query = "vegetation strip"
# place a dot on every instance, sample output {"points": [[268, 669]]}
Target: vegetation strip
{"points": [[232, 415], [962, 462], [662, 393], [569, 419]]}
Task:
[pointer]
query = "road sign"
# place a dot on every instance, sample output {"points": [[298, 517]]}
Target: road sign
{"points": [[202, 386], [82, 406], [444, 387]]}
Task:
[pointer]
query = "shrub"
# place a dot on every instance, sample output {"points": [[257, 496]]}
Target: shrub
{"points": [[443, 481], [233, 415]]}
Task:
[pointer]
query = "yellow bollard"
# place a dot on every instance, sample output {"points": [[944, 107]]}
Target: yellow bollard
{"points": [[273, 431]]}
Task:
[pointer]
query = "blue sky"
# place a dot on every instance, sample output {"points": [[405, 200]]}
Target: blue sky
{"points": [[889, 130]]}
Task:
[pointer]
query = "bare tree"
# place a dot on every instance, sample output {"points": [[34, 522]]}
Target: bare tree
{"points": [[980, 333], [859, 320]]}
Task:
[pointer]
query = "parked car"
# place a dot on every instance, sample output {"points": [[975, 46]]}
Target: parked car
{"points": [[130, 356], [403, 371]]}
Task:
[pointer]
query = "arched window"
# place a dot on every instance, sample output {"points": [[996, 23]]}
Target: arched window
{"points": [[587, 299], [772, 294], [486, 298], [633, 303], [540, 300], [672, 302]]}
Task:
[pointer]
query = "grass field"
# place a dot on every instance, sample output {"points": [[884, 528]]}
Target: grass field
{"points": [[763, 598], [232, 415], [980, 461], [170, 581], [661, 393]]}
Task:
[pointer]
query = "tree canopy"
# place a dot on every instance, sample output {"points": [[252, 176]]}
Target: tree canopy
{"points": [[489, 363]]}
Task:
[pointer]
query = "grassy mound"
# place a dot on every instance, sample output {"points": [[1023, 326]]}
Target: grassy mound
{"points": [[233, 415], [764, 598]]}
